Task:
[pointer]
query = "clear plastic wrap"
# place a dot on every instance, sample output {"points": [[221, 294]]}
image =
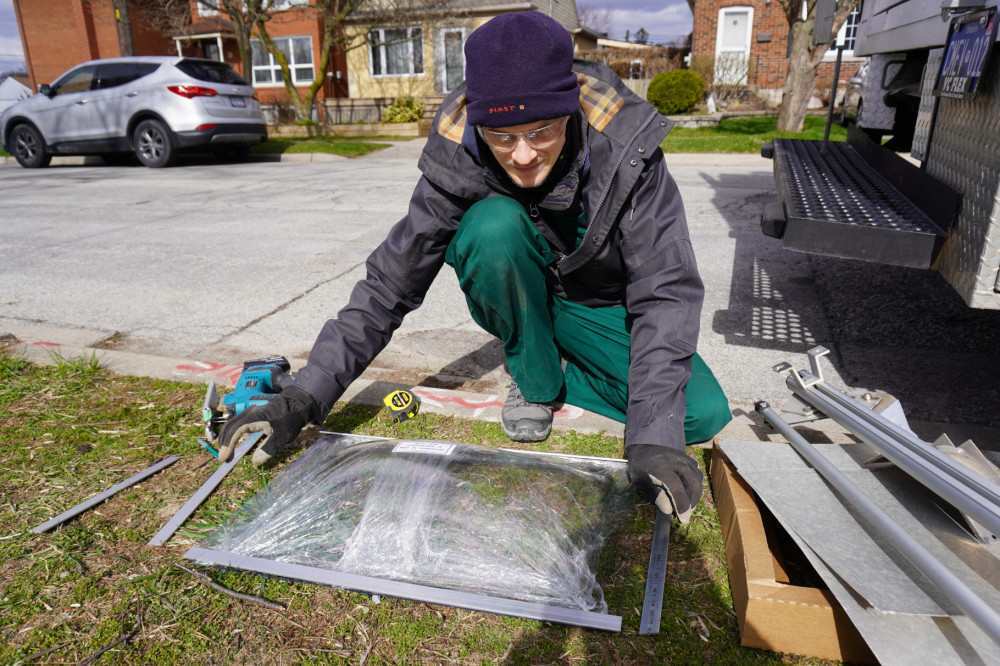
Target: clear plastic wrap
{"points": [[456, 516]]}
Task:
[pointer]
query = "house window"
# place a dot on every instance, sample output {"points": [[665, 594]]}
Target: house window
{"points": [[396, 51], [205, 10], [297, 50], [848, 32]]}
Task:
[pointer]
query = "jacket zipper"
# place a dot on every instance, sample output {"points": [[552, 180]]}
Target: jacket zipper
{"points": [[532, 205], [618, 166]]}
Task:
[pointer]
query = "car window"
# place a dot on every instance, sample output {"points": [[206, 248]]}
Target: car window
{"points": [[114, 74], [78, 80], [212, 72]]}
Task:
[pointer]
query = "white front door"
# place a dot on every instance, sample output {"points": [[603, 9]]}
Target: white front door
{"points": [[732, 44], [453, 71]]}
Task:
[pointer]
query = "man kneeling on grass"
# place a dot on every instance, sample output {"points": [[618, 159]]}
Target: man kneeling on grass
{"points": [[544, 187]]}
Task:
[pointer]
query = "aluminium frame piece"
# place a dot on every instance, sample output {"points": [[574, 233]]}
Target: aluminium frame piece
{"points": [[412, 591], [97, 499], [652, 600], [970, 493], [974, 607], [202, 493], [656, 575]]}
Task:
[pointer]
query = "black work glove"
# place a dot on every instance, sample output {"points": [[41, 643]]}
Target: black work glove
{"points": [[280, 420], [668, 478]]}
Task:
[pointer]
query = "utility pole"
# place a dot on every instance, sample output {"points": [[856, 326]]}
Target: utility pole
{"points": [[124, 26]]}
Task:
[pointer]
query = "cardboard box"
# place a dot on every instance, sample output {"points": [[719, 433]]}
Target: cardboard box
{"points": [[773, 614]]}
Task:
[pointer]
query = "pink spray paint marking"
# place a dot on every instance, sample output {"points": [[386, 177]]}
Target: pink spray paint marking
{"points": [[231, 373], [566, 411]]}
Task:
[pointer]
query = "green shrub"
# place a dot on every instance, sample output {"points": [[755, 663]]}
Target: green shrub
{"points": [[404, 110], [676, 91]]}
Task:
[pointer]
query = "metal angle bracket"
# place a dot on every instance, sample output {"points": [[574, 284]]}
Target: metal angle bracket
{"points": [[797, 410], [97, 499], [202, 493], [816, 376]]}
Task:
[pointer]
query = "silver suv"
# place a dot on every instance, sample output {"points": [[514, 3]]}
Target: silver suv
{"points": [[154, 106]]}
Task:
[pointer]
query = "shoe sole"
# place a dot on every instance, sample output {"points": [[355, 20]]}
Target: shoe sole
{"points": [[536, 436]]}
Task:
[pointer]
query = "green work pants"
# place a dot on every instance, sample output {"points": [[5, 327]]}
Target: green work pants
{"points": [[500, 259]]}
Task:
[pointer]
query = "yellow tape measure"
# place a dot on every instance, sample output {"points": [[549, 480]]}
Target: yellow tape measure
{"points": [[402, 404]]}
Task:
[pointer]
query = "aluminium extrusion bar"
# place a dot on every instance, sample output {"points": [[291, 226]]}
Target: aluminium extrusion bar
{"points": [[423, 593], [656, 575], [913, 443], [985, 616], [97, 499], [202, 493], [957, 491]]}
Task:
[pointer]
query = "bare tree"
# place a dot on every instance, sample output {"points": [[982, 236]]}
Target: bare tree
{"points": [[252, 18], [243, 14], [167, 16], [805, 59], [598, 20]]}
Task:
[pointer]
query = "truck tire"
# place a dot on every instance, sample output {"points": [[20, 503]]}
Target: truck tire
{"points": [[154, 144], [28, 148]]}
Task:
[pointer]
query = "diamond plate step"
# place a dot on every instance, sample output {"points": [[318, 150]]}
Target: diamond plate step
{"points": [[857, 200]]}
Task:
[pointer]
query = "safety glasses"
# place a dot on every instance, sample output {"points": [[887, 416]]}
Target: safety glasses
{"points": [[539, 138]]}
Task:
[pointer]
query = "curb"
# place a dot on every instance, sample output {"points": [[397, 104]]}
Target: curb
{"points": [[46, 345]]}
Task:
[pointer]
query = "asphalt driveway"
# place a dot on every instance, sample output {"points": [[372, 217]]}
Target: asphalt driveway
{"points": [[223, 262]]}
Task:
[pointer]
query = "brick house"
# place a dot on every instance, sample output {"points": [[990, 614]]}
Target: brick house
{"points": [[296, 29], [755, 33], [420, 56], [58, 34]]}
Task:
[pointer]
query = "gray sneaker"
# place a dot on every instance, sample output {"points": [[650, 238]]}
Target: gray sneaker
{"points": [[524, 421]]}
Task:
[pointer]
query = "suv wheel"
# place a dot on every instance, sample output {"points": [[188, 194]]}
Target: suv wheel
{"points": [[153, 144], [28, 147]]}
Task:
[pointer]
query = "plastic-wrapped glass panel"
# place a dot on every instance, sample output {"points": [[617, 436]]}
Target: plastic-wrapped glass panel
{"points": [[486, 521]]}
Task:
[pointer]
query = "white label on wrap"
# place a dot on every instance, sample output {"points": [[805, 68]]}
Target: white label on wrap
{"points": [[431, 448]]}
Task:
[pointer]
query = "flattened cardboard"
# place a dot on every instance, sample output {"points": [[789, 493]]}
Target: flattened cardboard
{"points": [[773, 614]]}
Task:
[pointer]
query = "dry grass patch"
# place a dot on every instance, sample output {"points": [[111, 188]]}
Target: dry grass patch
{"points": [[93, 588]]}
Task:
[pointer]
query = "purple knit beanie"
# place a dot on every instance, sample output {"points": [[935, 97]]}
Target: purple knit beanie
{"points": [[519, 69]]}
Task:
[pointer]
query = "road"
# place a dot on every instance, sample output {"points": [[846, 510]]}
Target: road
{"points": [[226, 262]]}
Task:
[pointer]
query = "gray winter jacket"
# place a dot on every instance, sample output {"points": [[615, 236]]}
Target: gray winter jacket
{"points": [[636, 253]]}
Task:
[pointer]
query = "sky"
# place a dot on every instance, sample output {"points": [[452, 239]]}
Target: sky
{"points": [[11, 55], [664, 20]]}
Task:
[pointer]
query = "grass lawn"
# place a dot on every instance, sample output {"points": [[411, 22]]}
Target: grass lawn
{"points": [[733, 135], [743, 135], [70, 430]]}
